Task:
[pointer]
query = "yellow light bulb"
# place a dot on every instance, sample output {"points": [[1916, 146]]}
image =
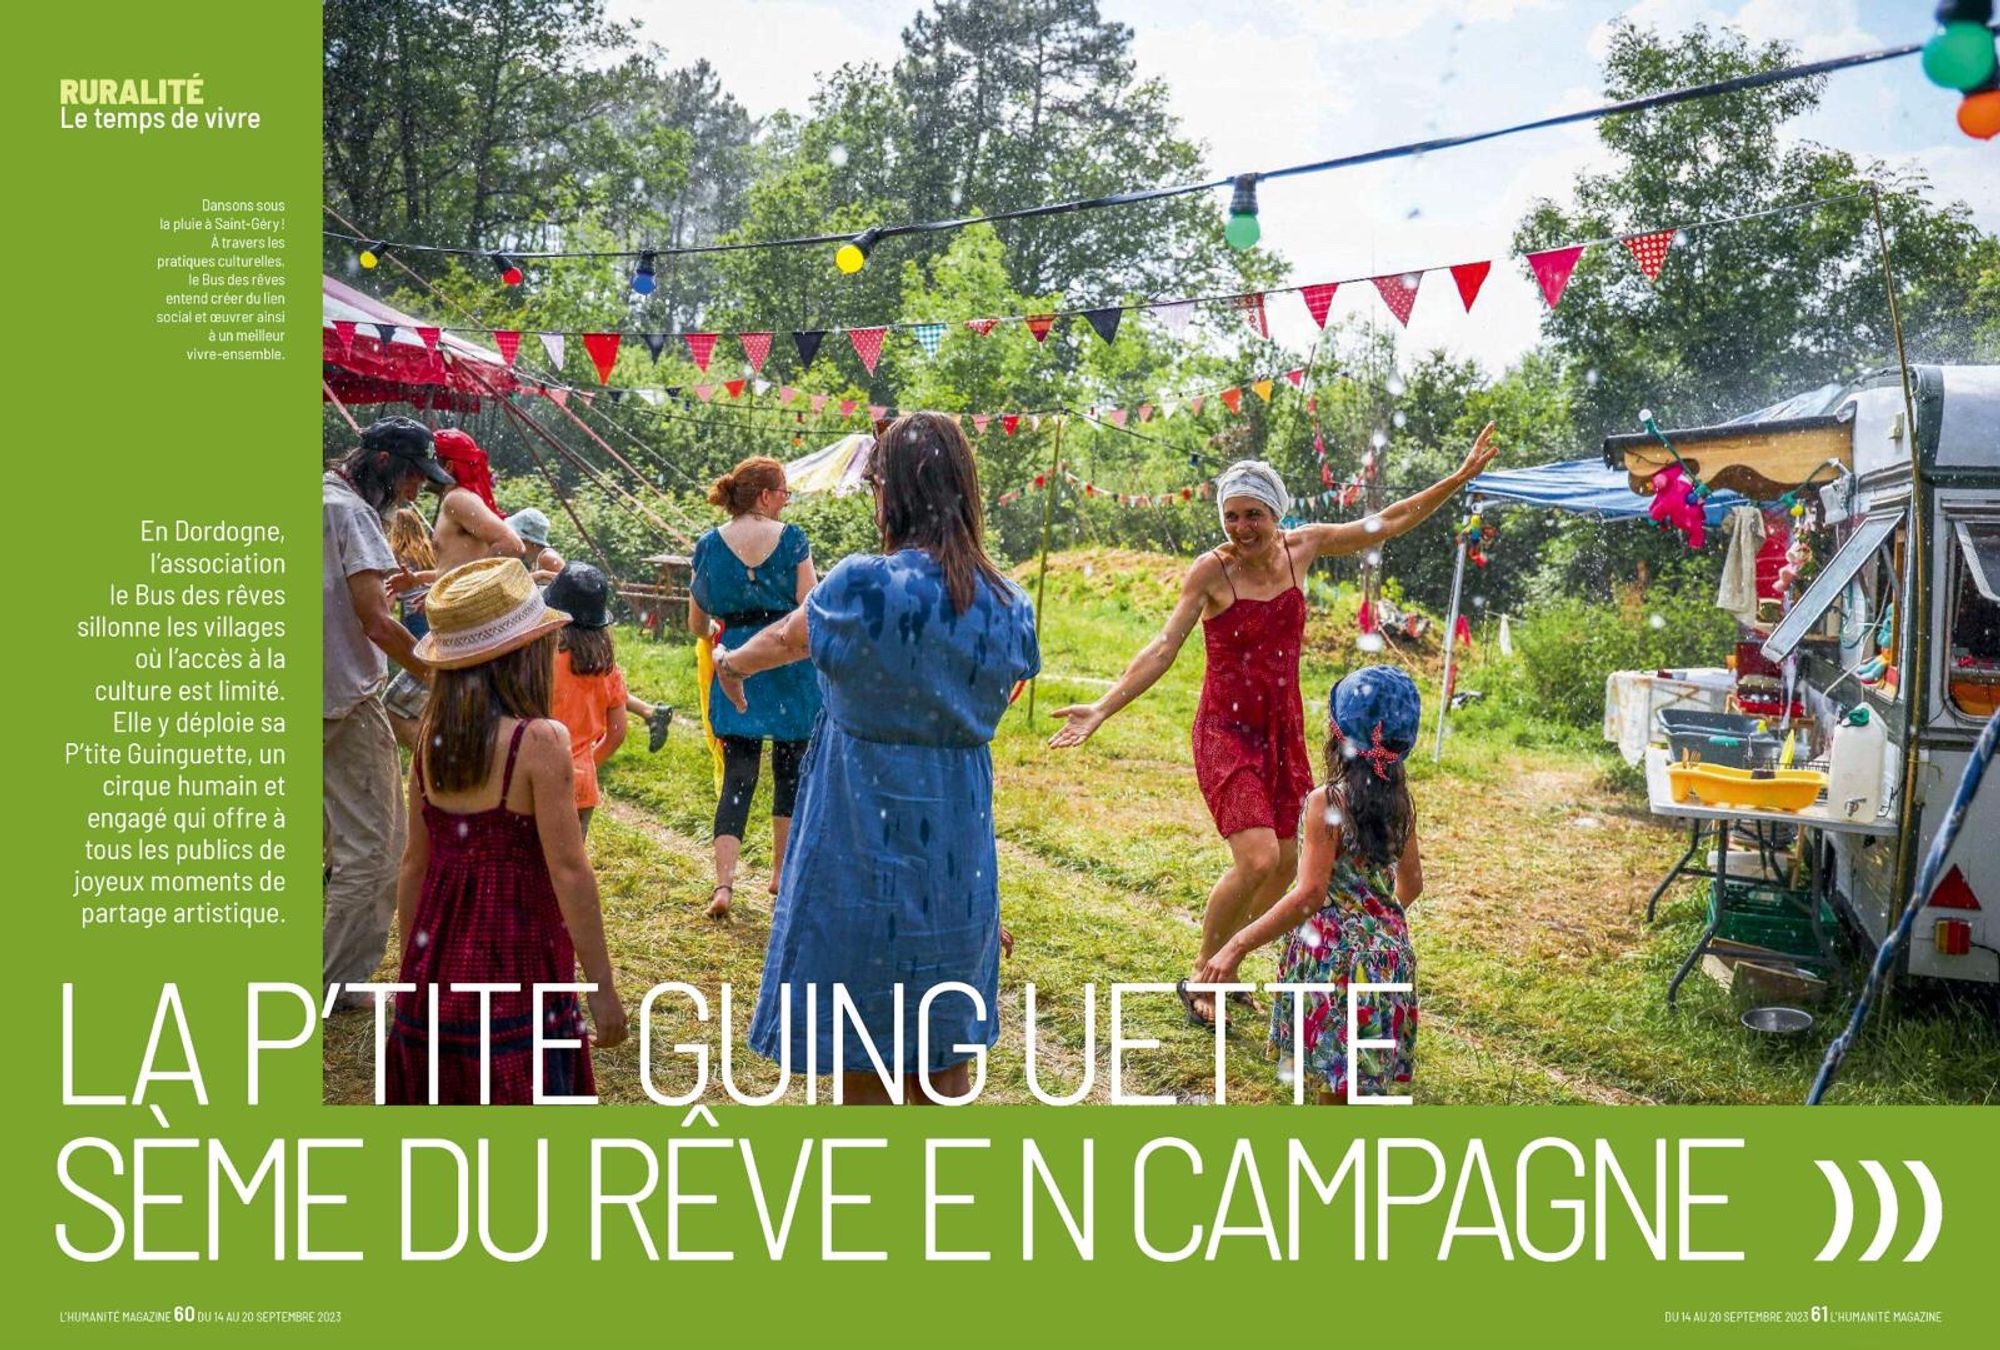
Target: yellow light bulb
{"points": [[368, 258], [849, 258]]}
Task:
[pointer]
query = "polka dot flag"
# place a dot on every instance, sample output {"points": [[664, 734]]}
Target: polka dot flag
{"points": [[1650, 250], [867, 345], [1399, 293]]}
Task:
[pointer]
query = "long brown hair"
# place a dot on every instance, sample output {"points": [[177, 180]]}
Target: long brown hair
{"points": [[590, 649], [930, 500], [410, 540], [459, 733], [1376, 814], [737, 491]]}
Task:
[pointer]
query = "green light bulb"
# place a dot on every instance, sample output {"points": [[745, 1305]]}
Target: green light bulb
{"points": [[1242, 231], [1960, 56]]}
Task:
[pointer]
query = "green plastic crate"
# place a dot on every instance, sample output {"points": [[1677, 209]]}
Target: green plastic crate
{"points": [[1773, 917]]}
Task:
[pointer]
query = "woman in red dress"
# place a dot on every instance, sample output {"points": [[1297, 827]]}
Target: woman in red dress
{"points": [[1249, 730]]}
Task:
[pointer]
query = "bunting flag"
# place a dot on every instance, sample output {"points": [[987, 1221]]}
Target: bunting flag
{"points": [[701, 346], [617, 396], [1039, 325], [656, 343], [1552, 268], [386, 330], [1470, 277], [1117, 417], [1650, 250], [928, 336], [1194, 405], [819, 401], [760, 386], [877, 411], [1010, 423], [979, 421], [867, 345], [704, 392], [652, 396], [1399, 293], [558, 393], [981, 326], [1297, 376], [1105, 321], [552, 343], [756, 347], [1252, 309], [1145, 413], [808, 344], [1319, 299], [588, 396], [603, 349], [733, 388], [1263, 389], [430, 338], [1175, 316], [848, 405], [1232, 399], [785, 395], [344, 330]]}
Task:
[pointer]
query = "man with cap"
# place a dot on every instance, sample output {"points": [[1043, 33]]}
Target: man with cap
{"points": [[1249, 729], [360, 781], [542, 561]]}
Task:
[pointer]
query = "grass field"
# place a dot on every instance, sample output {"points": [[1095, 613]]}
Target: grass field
{"points": [[1538, 978]]}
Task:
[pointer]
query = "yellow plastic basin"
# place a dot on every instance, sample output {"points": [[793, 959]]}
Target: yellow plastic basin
{"points": [[1719, 785]]}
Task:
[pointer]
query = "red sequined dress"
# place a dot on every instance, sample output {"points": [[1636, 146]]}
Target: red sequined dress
{"points": [[488, 914], [1249, 730]]}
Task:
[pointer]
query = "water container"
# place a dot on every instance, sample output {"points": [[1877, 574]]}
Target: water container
{"points": [[1854, 777]]}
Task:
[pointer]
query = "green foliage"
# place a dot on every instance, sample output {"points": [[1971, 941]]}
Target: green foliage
{"points": [[1568, 645]]}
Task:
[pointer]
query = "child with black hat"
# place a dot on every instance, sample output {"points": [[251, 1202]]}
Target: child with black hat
{"points": [[589, 696]]}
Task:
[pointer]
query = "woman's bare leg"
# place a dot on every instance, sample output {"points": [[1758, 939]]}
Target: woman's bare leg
{"points": [[1254, 857], [781, 834], [727, 849]]}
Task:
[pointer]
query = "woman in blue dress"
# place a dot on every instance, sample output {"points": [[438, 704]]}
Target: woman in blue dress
{"points": [[747, 575], [891, 887]]}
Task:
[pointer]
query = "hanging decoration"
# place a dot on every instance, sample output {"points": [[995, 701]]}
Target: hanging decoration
{"points": [[1469, 277], [756, 350], [1399, 293], [643, 279], [929, 336], [1252, 309], [656, 343], [1242, 231], [1650, 250], [1039, 325], [553, 348], [1552, 268], [1104, 322], [701, 349], [603, 349], [1319, 299], [867, 344], [807, 343]]}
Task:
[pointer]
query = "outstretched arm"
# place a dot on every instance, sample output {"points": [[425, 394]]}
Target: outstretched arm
{"points": [[1154, 659], [779, 645], [1400, 517]]}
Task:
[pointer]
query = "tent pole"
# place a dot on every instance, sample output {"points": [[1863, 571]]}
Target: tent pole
{"points": [[1042, 576], [1450, 637], [340, 407]]}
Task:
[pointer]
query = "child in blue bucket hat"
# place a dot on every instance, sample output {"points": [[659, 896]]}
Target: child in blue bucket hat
{"points": [[1343, 921]]}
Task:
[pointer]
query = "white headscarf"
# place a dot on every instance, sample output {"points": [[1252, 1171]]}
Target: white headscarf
{"points": [[1253, 478]]}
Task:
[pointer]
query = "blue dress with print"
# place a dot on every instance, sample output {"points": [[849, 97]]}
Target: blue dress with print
{"points": [[783, 702], [891, 876]]}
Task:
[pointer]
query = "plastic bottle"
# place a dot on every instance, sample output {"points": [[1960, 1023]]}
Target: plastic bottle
{"points": [[1854, 777]]}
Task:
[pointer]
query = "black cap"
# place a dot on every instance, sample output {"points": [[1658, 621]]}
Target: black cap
{"points": [[408, 439], [581, 592]]}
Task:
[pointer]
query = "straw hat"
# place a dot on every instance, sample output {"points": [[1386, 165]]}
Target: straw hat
{"points": [[482, 610]]}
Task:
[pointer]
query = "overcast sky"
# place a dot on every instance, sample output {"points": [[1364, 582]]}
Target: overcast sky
{"points": [[1284, 81]]}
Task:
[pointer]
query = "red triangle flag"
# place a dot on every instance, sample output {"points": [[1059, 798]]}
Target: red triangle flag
{"points": [[848, 405], [1470, 277], [701, 346], [1650, 250], [704, 392], [756, 346], [867, 345], [1552, 268], [509, 343], [430, 337], [344, 330], [733, 388], [1319, 299], [1252, 307], [1399, 292], [981, 326], [1297, 375], [1117, 416], [1010, 423], [603, 349], [1039, 325], [1232, 399]]}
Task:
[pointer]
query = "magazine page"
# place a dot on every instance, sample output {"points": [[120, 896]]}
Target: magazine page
{"points": [[1361, 642]]}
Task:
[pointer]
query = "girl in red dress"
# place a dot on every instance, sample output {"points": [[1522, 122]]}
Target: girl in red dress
{"points": [[1249, 731], [496, 887]]}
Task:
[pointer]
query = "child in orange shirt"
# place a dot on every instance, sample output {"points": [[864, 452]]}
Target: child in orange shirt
{"points": [[589, 696]]}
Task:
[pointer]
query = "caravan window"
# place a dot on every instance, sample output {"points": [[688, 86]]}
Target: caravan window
{"points": [[1862, 558], [1972, 674]]}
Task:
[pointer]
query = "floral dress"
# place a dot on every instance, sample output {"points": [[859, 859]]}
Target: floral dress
{"points": [[1360, 934]]}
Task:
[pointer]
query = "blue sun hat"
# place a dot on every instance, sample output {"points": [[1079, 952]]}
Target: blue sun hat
{"points": [[1377, 711]]}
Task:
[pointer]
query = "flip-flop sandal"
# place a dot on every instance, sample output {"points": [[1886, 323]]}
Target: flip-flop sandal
{"points": [[1186, 997], [657, 725]]}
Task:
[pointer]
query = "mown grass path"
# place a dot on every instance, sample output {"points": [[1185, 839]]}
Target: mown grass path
{"points": [[1539, 981]]}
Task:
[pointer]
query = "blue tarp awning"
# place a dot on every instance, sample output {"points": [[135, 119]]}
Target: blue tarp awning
{"points": [[1582, 486]]}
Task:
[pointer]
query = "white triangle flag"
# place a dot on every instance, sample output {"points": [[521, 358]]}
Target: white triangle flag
{"points": [[1175, 316], [552, 343]]}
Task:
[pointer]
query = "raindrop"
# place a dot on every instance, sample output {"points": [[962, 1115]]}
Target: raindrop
{"points": [[1394, 384], [1369, 642], [1333, 817], [1373, 557], [1372, 524], [1410, 280], [1479, 602], [1658, 621], [1378, 438], [1400, 418], [1088, 571], [463, 829], [1590, 377], [1645, 416], [836, 155], [422, 939]]}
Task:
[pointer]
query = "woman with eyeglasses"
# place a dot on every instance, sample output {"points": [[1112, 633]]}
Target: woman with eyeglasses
{"points": [[891, 887], [748, 574]]}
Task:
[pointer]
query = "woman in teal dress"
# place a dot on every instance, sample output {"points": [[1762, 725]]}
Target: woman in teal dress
{"points": [[747, 575], [891, 887]]}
